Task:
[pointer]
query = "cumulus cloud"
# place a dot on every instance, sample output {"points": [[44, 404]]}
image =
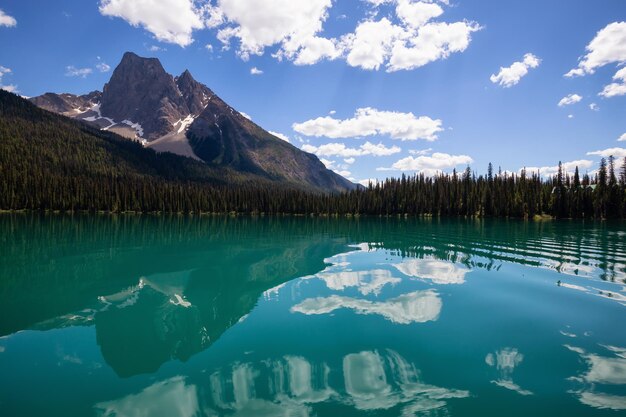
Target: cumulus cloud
{"points": [[341, 150], [72, 71], [294, 29], [10, 87], [416, 14], [429, 164], [280, 136], [431, 42], [617, 88], [171, 21], [615, 152], [293, 25], [255, 71], [370, 45], [569, 99], [410, 41], [622, 138], [594, 107], [568, 167], [608, 46], [6, 20], [509, 76], [369, 121]]}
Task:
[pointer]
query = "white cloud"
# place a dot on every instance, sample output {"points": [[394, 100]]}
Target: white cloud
{"points": [[103, 67], [171, 21], [255, 71], [294, 29], [280, 136], [340, 149], [608, 46], [431, 42], [368, 121], [429, 165], [379, 150], [568, 167], [509, 76], [594, 107], [350, 161], [569, 99], [622, 138], [293, 25], [209, 47], [413, 41], [11, 88], [155, 48], [6, 20], [371, 43], [72, 71], [617, 88], [416, 14], [615, 152]]}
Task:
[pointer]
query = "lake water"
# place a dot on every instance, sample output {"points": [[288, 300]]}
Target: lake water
{"points": [[215, 316]]}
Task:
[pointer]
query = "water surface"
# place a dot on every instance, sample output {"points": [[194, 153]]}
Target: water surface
{"points": [[215, 316]]}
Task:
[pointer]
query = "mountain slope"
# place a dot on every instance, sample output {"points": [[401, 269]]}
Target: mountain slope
{"points": [[182, 116], [221, 136], [51, 162]]}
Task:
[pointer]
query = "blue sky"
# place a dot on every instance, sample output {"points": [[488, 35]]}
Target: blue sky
{"points": [[425, 74]]}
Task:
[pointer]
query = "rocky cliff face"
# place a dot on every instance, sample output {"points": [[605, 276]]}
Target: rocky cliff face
{"points": [[180, 115], [142, 92]]}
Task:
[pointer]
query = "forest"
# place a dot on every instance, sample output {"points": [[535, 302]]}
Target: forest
{"points": [[49, 162]]}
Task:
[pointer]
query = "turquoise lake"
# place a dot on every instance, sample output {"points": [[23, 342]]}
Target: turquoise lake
{"points": [[215, 316]]}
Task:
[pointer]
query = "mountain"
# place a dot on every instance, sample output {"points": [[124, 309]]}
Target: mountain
{"points": [[143, 102]]}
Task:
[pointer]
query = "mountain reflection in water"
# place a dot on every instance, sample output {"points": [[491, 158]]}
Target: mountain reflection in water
{"points": [[311, 316]]}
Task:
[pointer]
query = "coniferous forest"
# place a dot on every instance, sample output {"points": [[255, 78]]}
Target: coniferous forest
{"points": [[49, 162]]}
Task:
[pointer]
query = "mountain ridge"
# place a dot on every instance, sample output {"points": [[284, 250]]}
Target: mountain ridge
{"points": [[180, 115]]}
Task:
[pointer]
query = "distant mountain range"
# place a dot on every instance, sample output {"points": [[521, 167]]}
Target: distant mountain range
{"points": [[143, 102]]}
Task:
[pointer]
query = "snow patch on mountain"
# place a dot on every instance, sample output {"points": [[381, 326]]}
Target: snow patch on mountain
{"points": [[185, 123], [135, 126]]}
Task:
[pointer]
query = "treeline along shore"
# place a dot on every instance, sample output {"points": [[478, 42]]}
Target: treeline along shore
{"points": [[51, 163]]}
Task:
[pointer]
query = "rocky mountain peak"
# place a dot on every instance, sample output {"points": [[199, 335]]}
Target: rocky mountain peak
{"points": [[140, 91], [143, 102], [196, 94]]}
